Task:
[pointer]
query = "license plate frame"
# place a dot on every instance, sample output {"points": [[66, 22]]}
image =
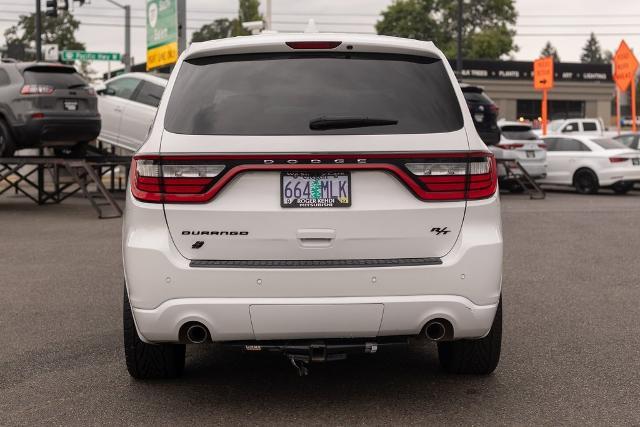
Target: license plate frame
{"points": [[70, 104], [315, 202], [531, 154]]}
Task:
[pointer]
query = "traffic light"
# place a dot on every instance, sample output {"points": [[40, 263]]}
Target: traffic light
{"points": [[52, 8]]}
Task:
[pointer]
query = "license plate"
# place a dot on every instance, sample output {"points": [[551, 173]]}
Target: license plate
{"points": [[531, 154], [315, 190], [70, 105], [635, 161]]}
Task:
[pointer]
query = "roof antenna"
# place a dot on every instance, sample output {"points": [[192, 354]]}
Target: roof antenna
{"points": [[311, 27]]}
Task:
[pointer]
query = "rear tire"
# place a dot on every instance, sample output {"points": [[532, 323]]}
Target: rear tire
{"points": [[78, 150], [477, 357], [622, 187], [7, 143], [515, 187], [586, 181], [149, 361]]}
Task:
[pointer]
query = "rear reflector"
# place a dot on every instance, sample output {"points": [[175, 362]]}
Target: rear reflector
{"points": [[618, 159], [433, 176], [314, 45]]}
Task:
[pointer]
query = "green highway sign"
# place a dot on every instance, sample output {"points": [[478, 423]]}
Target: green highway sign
{"points": [[79, 55]]}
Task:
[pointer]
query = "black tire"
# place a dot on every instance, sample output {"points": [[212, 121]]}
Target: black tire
{"points": [[586, 181], [477, 357], [149, 361], [622, 187], [515, 187], [7, 143]]}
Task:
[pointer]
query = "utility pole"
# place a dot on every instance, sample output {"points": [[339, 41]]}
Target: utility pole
{"points": [[267, 18], [459, 53], [182, 26], [38, 32], [127, 34]]}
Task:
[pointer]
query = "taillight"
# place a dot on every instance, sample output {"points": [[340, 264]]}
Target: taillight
{"points": [[618, 159], [90, 91], [471, 178], [36, 90], [542, 145], [429, 176], [511, 146], [154, 180], [314, 45]]}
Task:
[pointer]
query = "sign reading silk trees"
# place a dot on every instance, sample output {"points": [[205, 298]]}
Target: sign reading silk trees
{"points": [[162, 33]]}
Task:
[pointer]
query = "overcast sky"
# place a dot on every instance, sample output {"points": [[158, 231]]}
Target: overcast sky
{"points": [[566, 23]]}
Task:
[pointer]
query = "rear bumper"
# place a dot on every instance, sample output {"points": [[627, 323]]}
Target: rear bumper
{"points": [[297, 303], [231, 319], [611, 176], [57, 131]]}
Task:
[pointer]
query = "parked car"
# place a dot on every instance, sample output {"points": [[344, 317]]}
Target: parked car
{"points": [[589, 163], [627, 121], [292, 189], [45, 105], [484, 113], [575, 126], [629, 139], [128, 104], [528, 149]]}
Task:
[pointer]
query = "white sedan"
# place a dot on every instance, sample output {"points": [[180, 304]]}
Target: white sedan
{"points": [[589, 163], [128, 105], [527, 147]]}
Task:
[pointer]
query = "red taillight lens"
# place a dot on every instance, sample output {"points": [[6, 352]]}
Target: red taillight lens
{"points": [[153, 180], [618, 159], [542, 145], [452, 176], [469, 178], [314, 45], [37, 90], [511, 146]]}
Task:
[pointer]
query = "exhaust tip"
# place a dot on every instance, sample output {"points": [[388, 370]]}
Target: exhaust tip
{"points": [[436, 330], [197, 333]]}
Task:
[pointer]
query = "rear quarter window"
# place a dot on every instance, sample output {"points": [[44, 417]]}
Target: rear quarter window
{"points": [[609, 144], [279, 94]]}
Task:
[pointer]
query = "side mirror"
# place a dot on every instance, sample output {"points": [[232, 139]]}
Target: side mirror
{"points": [[103, 89]]}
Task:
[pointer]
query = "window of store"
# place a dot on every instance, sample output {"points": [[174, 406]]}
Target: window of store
{"points": [[530, 109]]}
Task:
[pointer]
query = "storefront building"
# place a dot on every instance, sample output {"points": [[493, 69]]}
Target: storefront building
{"points": [[581, 90]]}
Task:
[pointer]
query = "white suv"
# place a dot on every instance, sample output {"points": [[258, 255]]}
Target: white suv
{"points": [[314, 194]]}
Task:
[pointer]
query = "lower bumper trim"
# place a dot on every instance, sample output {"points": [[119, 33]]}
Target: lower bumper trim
{"points": [[316, 263]]}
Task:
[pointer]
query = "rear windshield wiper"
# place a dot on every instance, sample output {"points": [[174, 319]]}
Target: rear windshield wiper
{"points": [[76, 86], [328, 122]]}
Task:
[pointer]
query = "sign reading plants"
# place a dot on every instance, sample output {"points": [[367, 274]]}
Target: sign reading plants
{"points": [[162, 33]]}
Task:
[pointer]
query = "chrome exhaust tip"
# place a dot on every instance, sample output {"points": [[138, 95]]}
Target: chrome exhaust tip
{"points": [[197, 334], [436, 330]]}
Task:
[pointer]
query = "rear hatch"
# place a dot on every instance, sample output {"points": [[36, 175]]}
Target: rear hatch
{"points": [[59, 91], [523, 141], [313, 156]]}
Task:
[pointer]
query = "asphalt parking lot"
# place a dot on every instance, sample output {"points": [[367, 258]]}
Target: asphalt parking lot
{"points": [[570, 352]]}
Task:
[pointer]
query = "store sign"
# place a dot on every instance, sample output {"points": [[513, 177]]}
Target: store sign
{"points": [[162, 33], [625, 64], [523, 70]]}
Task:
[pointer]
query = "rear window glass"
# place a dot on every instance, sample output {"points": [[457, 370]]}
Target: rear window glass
{"points": [[477, 97], [57, 78], [280, 94], [518, 132], [609, 144]]}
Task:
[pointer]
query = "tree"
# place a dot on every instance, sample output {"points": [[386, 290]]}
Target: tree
{"points": [[485, 30], [20, 38], [550, 50], [591, 52], [248, 10], [218, 29]]}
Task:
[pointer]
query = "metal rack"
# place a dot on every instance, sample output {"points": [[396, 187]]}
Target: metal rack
{"points": [[514, 170], [51, 179]]}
